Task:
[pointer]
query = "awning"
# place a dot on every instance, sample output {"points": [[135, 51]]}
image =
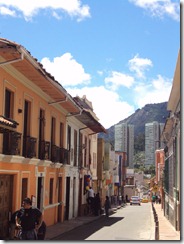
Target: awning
{"points": [[88, 117]]}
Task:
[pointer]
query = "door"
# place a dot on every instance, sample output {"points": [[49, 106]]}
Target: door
{"points": [[74, 195], [40, 193], [67, 207], [6, 192], [59, 199], [80, 198]]}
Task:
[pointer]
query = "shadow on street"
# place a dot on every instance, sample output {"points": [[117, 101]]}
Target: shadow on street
{"points": [[86, 230]]}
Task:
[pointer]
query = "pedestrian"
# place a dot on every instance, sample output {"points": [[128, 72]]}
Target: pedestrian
{"points": [[97, 205], [120, 200], [159, 199], [153, 198], [107, 206], [156, 199], [91, 196], [126, 197], [29, 220]]}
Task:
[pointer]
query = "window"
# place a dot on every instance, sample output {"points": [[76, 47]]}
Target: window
{"points": [[51, 191], [69, 138], [61, 135], [85, 152], [53, 130], [80, 150], [9, 102], [75, 148]]}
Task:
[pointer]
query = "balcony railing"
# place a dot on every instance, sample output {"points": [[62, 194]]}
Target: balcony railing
{"points": [[29, 147], [55, 153], [60, 155], [44, 150], [64, 156], [11, 142]]}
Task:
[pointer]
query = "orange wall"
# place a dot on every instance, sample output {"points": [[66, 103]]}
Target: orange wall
{"points": [[20, 167]]}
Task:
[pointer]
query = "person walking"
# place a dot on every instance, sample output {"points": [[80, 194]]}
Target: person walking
{"points": [[107, 206], [97, 205], [28, 220], [91, 196]]}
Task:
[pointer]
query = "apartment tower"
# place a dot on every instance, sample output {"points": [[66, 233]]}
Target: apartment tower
{"points": [[153, 132], [124, 141]]}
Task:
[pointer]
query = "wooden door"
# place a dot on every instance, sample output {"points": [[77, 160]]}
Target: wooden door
{"points": [[6, 182]]}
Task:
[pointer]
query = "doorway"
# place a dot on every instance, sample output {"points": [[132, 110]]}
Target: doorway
{"points": [[67, 207], [59, 218], [6, 192], [40, 193]]}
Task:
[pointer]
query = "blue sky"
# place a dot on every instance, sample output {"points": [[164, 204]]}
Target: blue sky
{"points": [[121, 54]]}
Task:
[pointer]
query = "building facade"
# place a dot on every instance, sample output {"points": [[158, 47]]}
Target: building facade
{"points": [[48, 140], [153, 132], [172, 167], [124, 141]]}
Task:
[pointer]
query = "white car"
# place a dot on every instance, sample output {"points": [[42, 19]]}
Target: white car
{"points": [[135, 200]]}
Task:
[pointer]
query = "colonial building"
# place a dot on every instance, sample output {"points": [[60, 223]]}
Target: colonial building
{"points": [[46, 139]]}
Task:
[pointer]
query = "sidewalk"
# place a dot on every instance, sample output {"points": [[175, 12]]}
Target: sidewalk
{"points": [[166, 230]]}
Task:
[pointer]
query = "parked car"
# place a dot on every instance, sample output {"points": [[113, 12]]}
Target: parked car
{"points": [[135, 200]]}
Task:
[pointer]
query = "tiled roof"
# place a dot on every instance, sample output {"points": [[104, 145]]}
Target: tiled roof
{"points": [[8, 122]]}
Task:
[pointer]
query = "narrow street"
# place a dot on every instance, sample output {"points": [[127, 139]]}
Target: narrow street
{"points": [[129, 223]]}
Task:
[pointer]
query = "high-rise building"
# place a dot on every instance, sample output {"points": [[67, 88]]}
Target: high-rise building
{"points": [[153, 132], [124, 141]]}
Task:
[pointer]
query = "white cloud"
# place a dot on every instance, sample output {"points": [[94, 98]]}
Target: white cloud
{"points": [[107, 101], [160, 8], [118, 79], [155, 92], [7, 11], [139, 65], [106, 104], [28, 10], [66, 70]]}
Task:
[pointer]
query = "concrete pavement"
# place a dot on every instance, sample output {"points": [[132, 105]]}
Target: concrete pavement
{"points": [[166, 230]]}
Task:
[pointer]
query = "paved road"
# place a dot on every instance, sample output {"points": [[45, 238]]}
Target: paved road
{"points": [[129, 223]]}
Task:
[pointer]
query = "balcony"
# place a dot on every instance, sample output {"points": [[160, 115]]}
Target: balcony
{"points": [[64, 156], [44, 150], [60, 155], [11, 142], [29, 147], [55, 153]]}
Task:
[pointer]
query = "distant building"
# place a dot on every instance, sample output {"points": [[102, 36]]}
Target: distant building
{"points": [[124, 141], [152, 141]]}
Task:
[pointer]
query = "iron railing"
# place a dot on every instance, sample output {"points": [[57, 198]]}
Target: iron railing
{"points": [[29, 147]]}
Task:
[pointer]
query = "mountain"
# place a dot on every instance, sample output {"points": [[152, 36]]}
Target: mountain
{"points": [[149, 113]]}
